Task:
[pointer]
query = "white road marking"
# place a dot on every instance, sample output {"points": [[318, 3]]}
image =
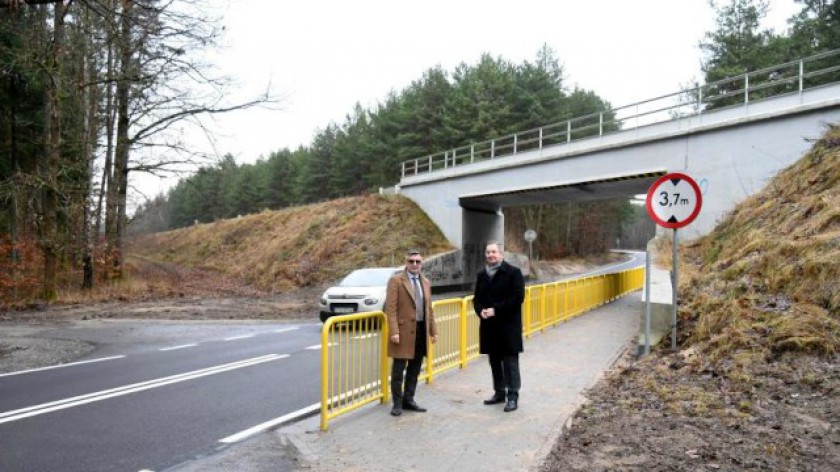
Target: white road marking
{"points": [[268, 424], [69, 364], [318, 346], [285, 329], [293, 415], [182, 346], [363, 336], [27, 412], [234, 338]]}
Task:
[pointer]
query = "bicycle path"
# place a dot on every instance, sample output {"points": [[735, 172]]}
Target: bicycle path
{"points": [[458, 433]]}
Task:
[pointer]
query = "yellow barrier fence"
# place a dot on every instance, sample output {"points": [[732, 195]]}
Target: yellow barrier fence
{"points": [[354, 360], [354, 367]]}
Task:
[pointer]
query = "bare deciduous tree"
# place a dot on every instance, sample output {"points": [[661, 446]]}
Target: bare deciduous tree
{"points": [[123, 79]]}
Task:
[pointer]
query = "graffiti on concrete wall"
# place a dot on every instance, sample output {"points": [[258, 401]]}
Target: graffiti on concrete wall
{"points": [[445, 269], [460, 266]]}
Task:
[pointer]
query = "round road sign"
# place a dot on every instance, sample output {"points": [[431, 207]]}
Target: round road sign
{"points": [[674, 200], [530, 235]]}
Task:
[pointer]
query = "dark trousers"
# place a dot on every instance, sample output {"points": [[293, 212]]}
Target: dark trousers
{"points": [[505, 368], [408, 369]]}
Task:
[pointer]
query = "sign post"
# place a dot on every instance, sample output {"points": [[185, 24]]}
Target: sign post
{"points": [[673, 201], [530, 236]]}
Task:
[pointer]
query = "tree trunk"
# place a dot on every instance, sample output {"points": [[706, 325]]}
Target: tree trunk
{"points": [[49, 169], [569, 208], [106, 187], [89, 132], [15, 169], [120, 177]]}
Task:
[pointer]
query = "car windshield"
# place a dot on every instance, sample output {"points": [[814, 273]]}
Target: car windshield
{"points": [[367, 278]]}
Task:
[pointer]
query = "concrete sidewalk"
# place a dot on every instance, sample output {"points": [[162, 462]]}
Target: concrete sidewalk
{"points": [[458, 433]]}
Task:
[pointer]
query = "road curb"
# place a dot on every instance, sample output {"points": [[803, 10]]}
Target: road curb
{"points": [[297, 447]]}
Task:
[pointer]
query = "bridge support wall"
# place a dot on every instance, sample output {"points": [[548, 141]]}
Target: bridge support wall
{"points": [[732, 153], [479, 227]]}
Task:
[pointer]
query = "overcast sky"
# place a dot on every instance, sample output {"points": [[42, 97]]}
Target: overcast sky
{"points": [[323, 56]]}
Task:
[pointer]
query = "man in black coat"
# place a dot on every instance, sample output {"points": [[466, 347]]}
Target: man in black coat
{"points": [[499, 292]]}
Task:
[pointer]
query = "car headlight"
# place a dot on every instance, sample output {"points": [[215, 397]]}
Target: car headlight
{"points": [[371, 301], [323, 302]]}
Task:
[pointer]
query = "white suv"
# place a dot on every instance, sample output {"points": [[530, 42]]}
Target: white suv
{"points": [[362, 290]]}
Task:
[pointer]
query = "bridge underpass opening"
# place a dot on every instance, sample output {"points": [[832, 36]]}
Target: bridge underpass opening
{"points": [[502, 216]]}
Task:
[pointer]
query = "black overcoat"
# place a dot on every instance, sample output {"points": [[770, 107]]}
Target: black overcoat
{"points": [[500, 334]]}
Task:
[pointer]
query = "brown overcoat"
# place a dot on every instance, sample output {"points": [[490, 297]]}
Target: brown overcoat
{"points": [[400, 312]]}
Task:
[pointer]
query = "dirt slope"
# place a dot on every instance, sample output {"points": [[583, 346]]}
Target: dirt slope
{"points": [[301, 246], [755, 384]]}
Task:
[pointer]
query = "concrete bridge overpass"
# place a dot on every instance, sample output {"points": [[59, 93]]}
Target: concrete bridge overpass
{"points": [[732, 152]]}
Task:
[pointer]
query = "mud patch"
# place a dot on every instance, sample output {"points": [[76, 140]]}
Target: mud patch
{"points": [[22, 353], [652, 414]]}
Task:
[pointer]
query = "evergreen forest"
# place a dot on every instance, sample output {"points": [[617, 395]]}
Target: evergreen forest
{"points": [[92, 93]]}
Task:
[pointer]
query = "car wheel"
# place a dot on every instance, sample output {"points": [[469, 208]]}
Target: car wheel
{"points": [[325, 316]]}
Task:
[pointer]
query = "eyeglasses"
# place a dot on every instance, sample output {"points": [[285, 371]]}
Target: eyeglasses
{"points": [[414, 261]]}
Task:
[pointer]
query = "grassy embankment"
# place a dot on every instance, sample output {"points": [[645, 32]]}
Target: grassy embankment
{"points": [[760, 295], [767, 280], [301, 246]]}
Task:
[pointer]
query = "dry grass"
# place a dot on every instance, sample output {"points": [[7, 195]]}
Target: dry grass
{"points": [[767, 280], [145, 280], [133, 288], [301, 246]]}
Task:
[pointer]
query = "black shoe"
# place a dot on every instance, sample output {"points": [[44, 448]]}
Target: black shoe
{"points": [[511, 404], [396, 410], [411, 405], [495, 399]]}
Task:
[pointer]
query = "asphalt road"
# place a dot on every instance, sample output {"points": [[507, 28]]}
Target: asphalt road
{"points": [[156, 406], [152, 397], [636, 259]]}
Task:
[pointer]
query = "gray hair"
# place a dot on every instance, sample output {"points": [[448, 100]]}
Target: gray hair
{"points": [[493, 242]]}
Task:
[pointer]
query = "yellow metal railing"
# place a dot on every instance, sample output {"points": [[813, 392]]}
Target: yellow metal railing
{"points": [[446, 353], [354, 367], [354, 360]]}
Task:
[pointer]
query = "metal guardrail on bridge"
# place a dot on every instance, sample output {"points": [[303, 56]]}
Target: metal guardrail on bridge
{"points": [[782, 79], [354, 361]]}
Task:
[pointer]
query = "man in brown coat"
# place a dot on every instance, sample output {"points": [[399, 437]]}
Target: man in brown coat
{"points": [[408, 306]]}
